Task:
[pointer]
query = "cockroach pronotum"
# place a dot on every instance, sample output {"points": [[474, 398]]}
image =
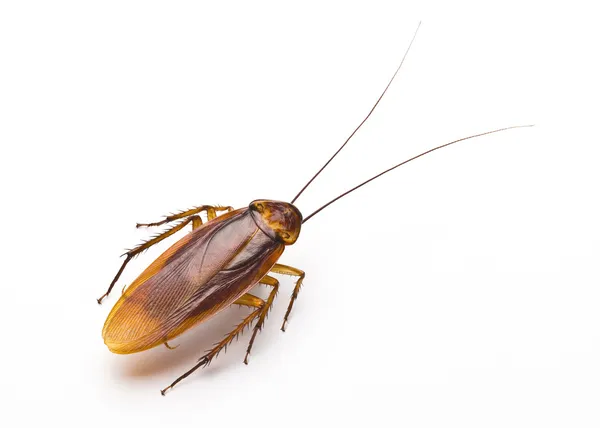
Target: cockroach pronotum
{"points": [[216, 266]]}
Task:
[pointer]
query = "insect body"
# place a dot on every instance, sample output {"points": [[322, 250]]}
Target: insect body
{"points": [[201, 274], [208, 270], [212, 268]]}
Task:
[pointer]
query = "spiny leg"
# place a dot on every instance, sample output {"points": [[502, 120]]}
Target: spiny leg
{"points": [[261, 311], [196, 222], [246, 300], [267, 280], [211, 212], [288, 270]]}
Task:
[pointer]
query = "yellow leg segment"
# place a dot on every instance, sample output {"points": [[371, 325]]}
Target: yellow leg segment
{"points": [[196, 222], [288, 270], [250, 300], [206, 359], [188, 216], [267, 280], [211, 212], [260, 312]]}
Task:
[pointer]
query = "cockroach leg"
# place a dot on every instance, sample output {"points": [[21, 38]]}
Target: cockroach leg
{"points": [[196, 222], [250, 300], [144, 246], [246, 300], [260, 312], [123, 290], [171, 347], [267, 280], [211, 212], [288, 270]]}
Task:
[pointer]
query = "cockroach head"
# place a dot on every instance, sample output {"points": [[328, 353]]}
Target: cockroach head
{"points": [[280, 220]]}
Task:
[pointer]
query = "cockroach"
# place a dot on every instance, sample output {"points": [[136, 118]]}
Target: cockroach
{"points": [[216, 266]]}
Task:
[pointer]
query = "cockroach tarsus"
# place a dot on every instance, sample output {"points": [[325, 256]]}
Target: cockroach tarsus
{"points": [[216, 266]]}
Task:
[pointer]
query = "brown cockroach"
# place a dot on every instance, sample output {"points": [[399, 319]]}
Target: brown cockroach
{"points": [[215, 266]]}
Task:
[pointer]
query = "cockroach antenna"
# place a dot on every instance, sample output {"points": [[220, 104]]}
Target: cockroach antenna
{"points": [[407, 161], [363, 121]]}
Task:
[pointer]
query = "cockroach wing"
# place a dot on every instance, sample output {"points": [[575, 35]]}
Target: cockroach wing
{"points": [[198, 276]]}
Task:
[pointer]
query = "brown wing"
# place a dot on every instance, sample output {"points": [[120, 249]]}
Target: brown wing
{"points": [[199, 275]]}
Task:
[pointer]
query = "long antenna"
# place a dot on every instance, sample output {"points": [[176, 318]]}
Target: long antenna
{"points": [[364, 120], [406, 161]]}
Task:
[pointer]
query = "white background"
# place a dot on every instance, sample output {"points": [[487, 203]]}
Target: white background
{"points": [[461, 290]]}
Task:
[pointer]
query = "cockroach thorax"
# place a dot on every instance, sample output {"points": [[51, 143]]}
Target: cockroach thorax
{"points": [[280, 220]]}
